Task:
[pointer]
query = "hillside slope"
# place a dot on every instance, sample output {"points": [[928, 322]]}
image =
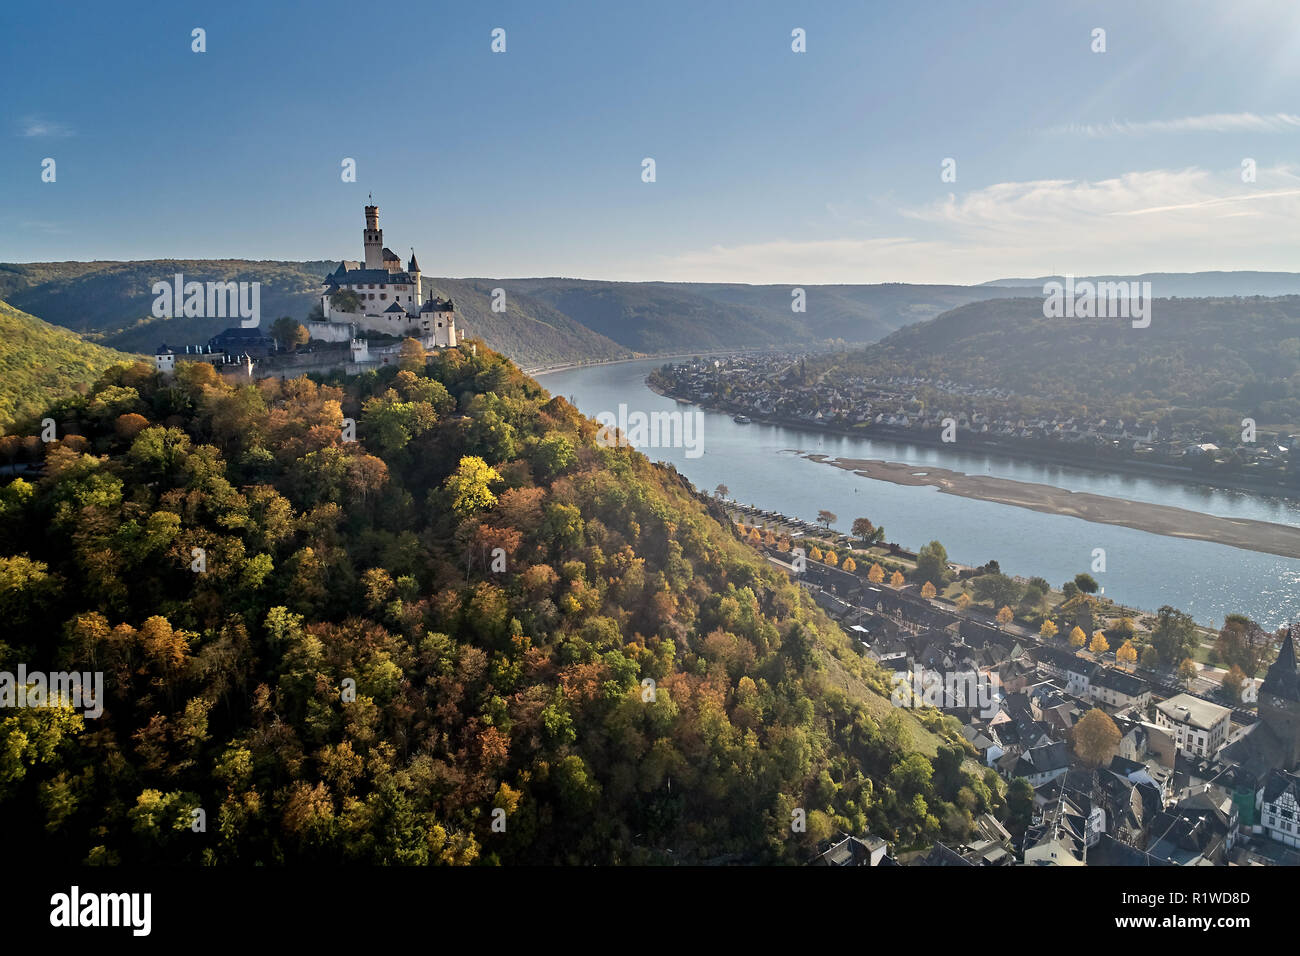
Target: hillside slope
{"points": [[471, 614], [1220, 358], [547, 320], [111, 303], [40, 363]]}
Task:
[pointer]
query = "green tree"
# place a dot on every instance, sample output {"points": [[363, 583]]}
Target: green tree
{"points": [[932, 564], [1174, 636]]}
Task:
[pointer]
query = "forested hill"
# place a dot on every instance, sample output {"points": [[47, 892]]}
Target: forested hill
{"points": [[359, 651], [546, 321], [1218, 358], [112, 302], [40, 362]]}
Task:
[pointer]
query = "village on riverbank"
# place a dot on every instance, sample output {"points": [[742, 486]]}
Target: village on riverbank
{"points": [[1186, 768], [776, 388]]}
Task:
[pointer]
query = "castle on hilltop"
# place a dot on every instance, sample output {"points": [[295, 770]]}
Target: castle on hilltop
{"points": [[380, 296]]}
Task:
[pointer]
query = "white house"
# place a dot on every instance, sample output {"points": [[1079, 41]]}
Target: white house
{"points": [[1280, 807], [1199, 727]]}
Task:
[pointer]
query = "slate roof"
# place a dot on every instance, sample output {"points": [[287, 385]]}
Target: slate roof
{"points": [[1119, 681], [436, 305], [377, 276], [1257, 750], [1282, 680], [1278, 783]]}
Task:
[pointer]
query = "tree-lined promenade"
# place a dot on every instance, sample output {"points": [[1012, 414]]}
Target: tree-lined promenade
{"points": [[1168, 642]]}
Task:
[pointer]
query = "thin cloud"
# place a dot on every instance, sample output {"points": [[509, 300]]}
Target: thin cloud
{"points": [[44, 129], [1189, 220], [1208, 123]]}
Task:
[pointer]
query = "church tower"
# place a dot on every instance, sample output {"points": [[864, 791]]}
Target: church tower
{"points": [[1279, 702], [374, 239]]}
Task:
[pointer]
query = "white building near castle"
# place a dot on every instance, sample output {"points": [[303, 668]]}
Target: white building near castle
{"points": [[389, 299]]}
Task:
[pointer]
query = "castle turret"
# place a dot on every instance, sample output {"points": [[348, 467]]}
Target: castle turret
{"points": [[413, 268], [374, 239]]}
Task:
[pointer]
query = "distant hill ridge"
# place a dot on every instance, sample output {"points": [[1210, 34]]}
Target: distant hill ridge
{"points": [[547, 320], [1182, 284]]}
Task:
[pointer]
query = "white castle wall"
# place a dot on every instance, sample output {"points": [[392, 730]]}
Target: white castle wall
{"points": [[330, 331]]}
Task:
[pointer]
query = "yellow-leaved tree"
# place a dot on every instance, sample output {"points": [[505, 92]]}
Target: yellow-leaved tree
{"points": [[1095, 738], [1077, 637], [1127, 653], [876, 574], [1005, 615], [963, 600], [1099, 643], [849, 565], [830, 558], [927, 590], [1047, 630], [896, 579]]}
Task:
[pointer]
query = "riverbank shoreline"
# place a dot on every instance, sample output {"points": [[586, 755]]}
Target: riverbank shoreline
{"points": [[1246, 534], [1155, 472], [568, 366]]}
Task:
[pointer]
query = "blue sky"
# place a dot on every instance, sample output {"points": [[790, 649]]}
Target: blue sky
{"points": [[772, 166]]}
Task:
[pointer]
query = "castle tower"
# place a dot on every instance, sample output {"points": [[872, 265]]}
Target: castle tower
{"points": [[374, 239], [413, 268], [1279, 702]]}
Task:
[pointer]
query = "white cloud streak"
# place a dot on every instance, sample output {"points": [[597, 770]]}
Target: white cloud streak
{"points": [[1208, 123], [1156, 220]]}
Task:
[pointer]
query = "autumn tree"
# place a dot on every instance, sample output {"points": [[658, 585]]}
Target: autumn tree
{"points": [[1234, 682], [1187, 672], [927, 590], [1099, 643], [826, 518], [849, 564], [1005, 615], [412, 357], [721, 491], [876, 574], [289, 333], [1127, 653], [1096, 738], [896, 579], [1047, 630], [469, 486], [1077, 637], [964, 600], [866, 532], [1243, 643]]}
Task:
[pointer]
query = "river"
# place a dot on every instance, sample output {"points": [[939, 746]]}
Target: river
{"points": [[760, 465]]}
